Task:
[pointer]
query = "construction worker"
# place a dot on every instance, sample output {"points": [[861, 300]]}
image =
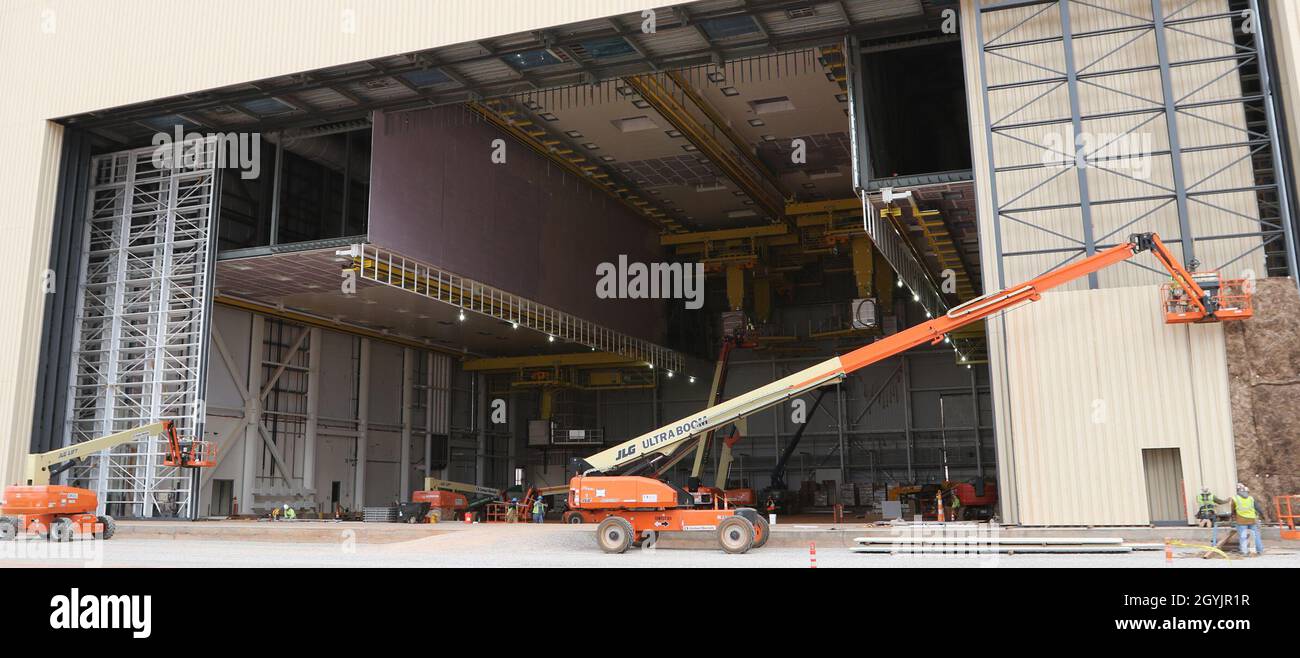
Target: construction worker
{"points": [[1246, 516], [275, 513], [771, 505], [512, 511], [955, 504], [289, 513], [1207, 513], [539, 510]]}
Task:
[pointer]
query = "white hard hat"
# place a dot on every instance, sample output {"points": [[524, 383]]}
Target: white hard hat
{"points": [[286, 505]]}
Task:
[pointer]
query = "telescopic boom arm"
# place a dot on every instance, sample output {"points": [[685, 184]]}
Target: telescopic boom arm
{"points": [[39, 468], [650, 446]]}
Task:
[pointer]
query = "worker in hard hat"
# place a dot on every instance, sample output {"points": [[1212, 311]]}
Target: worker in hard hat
{"points": [[289, 513], [1207, 513], [512, 511], [955, 505], [539, 510], [1246, 516]]}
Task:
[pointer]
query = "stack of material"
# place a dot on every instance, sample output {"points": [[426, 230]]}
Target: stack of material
{"points": [[820, 499], [849, 494], [974, 543], [379, 515], [807, 493]]}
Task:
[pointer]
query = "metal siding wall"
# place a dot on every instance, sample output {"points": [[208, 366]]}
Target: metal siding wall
{"points": [[1109, 379], [225, 43], [1081, 352]]}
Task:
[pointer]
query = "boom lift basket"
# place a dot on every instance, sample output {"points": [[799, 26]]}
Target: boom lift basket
{"points": [[188, 453], [1288, 514], [1229, 299]]}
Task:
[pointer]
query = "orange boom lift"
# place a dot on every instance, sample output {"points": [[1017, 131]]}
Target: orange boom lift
{"points": [[60, 512], [631, 508]]}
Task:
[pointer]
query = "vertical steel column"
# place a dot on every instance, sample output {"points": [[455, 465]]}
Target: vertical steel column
{"points": [[314, 348], [109, 405], [777, 419], [252, 413], [1281, 174], [204, 334], [907, 417], [839, 428], [481, 417], [1080, 157], [975, 413], [993, 169], [363, 424], [858, 138], [161, 266], [275, 189], [408, 401], [347, 184], [943, 438], [1187, 237], [428, 415]]}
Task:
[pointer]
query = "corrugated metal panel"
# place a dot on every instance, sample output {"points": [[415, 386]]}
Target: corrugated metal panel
{"points": [[1084, 380], [217, 44], [1095, 378]]}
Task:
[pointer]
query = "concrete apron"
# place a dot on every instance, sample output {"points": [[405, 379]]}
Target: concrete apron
{"points": [[784, 536], [842, 536]]}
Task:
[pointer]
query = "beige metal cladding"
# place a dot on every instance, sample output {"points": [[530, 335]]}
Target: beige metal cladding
{"points": [[71, 56], [1086, 379], [1095, 378]]}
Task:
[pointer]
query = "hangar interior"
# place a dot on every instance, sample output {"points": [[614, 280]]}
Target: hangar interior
{"points": [[407, 285]]}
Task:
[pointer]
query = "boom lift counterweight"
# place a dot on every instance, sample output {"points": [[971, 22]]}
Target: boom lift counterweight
{"points": [[633, 507]]}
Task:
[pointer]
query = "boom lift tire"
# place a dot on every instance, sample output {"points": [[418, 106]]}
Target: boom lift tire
{"points": [[736, 534], [109, 527], [614, 535], [8, 529], [573, 517], [61, 529], [763, 532]]}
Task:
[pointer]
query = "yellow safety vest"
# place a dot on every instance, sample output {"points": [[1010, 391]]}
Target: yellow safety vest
{"points": [[1245, 507], [1206, 501]]}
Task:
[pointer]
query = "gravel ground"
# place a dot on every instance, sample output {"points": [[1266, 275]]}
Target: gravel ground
{"points": [[532, 546]]}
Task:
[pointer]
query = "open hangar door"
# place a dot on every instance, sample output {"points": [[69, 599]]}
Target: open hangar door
{"points": [[728, 140]]}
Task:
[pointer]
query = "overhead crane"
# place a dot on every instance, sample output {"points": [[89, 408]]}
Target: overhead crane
{"points": [[633, 507]]}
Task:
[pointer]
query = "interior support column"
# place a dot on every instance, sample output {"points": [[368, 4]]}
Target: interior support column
{"points": [[428, 415], [480, 421], [363, 420], [313, 411], [252, 414], [408, 401]]}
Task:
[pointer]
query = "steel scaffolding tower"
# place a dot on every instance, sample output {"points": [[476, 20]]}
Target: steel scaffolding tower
{"points": [[142, 301]]}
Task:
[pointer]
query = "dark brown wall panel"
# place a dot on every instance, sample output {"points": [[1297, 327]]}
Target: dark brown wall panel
{"points": [[525, 226]]}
